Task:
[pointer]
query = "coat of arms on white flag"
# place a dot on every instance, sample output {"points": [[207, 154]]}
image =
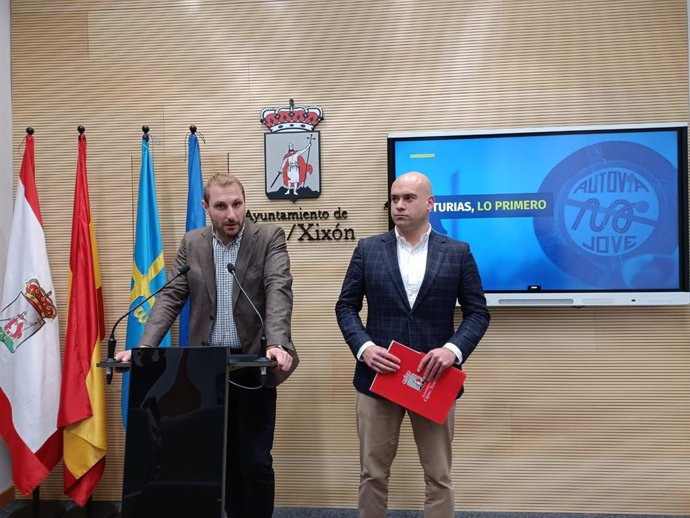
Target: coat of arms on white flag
{"points": [[25, 315]]}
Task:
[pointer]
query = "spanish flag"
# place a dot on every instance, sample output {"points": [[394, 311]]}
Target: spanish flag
{"points": [[82, 400]]}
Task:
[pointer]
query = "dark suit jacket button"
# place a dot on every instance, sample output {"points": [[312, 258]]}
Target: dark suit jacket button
{"points": [[211, 317]]}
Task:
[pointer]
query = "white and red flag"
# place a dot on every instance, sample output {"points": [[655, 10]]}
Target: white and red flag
{"points": [[29, 342]]}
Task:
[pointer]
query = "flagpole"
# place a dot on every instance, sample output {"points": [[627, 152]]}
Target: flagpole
{"points": [[91, 509], [148, 268], [196, 217], [80, 291], [37, 508]]}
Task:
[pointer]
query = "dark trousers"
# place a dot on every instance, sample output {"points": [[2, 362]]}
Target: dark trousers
{"points": [[249, 477]]}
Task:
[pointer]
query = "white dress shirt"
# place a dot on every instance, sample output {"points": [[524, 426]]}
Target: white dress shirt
{"points": [[412, 264]]}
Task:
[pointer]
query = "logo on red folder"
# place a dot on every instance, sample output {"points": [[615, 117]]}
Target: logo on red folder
{"points": [[418, 383], [414, 381], [409, 389]]}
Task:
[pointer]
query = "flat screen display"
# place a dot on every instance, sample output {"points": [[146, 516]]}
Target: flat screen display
{"points": [[564, 216]]}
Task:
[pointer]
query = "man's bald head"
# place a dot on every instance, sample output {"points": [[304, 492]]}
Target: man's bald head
{"points": [[411, 202], [415, 181]]}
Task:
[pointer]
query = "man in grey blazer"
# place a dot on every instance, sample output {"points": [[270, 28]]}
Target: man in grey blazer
{"points": [[221, 316], [412, 278]]}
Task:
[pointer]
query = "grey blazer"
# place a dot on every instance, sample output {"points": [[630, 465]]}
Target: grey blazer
{"points": [[263, 269]]}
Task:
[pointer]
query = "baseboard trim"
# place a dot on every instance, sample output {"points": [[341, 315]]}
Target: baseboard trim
{"points": [[6, 496]]}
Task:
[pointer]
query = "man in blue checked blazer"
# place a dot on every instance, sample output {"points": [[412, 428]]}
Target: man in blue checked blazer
{"points": [[412, 279]]}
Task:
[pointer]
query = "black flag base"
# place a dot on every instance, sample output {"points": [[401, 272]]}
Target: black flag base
{"points": [[93, 510], [38, 508], [59, 509], [44, 509]]}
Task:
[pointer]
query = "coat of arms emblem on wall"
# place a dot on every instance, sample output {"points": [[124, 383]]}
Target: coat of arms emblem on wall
{"points": [[292, 152]]}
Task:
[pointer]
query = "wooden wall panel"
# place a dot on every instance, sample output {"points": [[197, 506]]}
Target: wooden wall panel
{"points": [[571, 410]]}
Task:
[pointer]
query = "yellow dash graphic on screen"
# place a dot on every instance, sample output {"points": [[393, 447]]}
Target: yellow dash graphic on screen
{"points": [[423, 155]]}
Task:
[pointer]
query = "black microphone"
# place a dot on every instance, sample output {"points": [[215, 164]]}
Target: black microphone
{"points": [[112, 342], [263, 340]]}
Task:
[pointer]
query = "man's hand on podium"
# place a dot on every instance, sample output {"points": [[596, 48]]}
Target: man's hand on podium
{"points": [[124, 356], [281, 356], [274, 352]]}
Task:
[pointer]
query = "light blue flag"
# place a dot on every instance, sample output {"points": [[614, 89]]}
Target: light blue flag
{"points": [[196, 217], [148, 271]]}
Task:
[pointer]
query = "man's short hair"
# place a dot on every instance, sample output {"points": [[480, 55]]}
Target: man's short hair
{"points": [[221, 180]]}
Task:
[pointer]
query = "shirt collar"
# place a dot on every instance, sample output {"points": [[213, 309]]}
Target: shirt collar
{"points": [[235, 241], [422, 241]]}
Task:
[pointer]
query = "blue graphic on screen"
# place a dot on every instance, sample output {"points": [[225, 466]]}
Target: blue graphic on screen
{"points": [[562, 212]]}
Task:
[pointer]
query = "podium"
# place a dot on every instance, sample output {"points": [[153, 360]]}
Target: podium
{"points": [[175, 451]]}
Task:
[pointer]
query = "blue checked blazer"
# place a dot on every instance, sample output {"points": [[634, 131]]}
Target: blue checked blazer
{"points": [[451, 276]]}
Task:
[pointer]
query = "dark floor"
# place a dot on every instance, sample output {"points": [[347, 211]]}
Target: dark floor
{"points": [[22, 506]]}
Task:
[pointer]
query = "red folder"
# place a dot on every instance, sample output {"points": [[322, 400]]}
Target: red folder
{"points": [[407, 388]]}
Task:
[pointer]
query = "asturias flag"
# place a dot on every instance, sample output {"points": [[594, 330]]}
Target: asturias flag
{"points": [[29, 342], [82, 402], [196, 217], [148, 271]]}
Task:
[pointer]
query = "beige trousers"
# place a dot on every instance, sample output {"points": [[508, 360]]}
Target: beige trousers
{"points": [[378, 426]]}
